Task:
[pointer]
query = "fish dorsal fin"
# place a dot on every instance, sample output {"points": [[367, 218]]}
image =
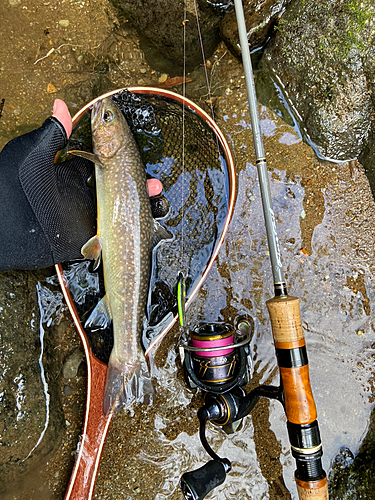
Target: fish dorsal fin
{"points": [[88, 156], [158, 234], [100, 316], [92, 250]]}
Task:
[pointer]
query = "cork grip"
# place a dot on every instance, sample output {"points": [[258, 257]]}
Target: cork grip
{"points": [[285, 319], [299, 400], [317, 490]]}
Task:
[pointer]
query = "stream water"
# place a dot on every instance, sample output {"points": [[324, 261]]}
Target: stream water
{"points": [[323, 216]]}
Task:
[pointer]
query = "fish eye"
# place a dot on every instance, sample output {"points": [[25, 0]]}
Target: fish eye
{"points": [[108, 116]]}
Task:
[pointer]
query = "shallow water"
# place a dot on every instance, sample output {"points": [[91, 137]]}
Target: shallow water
{"points": [[323, 219]]}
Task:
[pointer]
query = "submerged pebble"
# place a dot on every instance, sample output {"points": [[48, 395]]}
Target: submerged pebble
{"points": [[163, 78], [68, 391], [72, 363]]}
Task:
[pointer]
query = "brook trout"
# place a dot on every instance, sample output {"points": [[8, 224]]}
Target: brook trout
{"points": [[126, 235]]}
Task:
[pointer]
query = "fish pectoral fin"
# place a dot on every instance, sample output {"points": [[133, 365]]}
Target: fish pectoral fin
{"points": [[92, 250], [88, 156], [158, 234], [100, 316]]}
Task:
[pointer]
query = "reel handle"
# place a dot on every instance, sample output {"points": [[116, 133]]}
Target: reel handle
{"points": [[300, 406], [197, 484]]}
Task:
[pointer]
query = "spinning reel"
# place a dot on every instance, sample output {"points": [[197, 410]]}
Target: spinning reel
{"points": [[216, 359]]}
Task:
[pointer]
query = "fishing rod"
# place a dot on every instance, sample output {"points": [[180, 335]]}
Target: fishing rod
{"points": [[215, 358], [286, 323]]}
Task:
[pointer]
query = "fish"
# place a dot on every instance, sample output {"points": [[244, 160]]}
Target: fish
{"points": [[126, 235]]}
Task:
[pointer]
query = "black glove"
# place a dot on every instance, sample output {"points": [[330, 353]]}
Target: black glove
{"points": [[47, 211]]}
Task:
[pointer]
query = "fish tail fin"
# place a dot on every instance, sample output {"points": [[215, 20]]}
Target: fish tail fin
{"points": [[128, 385]]}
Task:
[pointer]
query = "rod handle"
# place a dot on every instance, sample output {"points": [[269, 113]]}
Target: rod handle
{"points": [[292, 359], [299, 403]]}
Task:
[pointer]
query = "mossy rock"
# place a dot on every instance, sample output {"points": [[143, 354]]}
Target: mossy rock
{"points": [[322, 58]]}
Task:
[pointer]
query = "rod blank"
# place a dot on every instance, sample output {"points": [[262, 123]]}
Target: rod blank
{"points": [[273, 244]]}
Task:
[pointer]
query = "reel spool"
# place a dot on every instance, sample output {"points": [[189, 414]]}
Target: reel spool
{"points": [[216, 357]]}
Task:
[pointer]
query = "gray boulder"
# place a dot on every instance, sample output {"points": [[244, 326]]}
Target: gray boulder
{"points": [[322, 59]]}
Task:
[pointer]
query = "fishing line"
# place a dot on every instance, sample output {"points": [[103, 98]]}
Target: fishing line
{"points": [[206, 73], [181, 276], [204, 60], [181, 283], [183, 143]]}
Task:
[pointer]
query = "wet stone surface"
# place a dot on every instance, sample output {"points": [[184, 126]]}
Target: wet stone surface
{"points": [[72, 363], [31, 416], [321, 58], [353, 477], [324, 214], [162, 27], [261, 18]]}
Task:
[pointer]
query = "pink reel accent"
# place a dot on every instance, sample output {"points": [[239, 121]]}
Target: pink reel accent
{"points": [[213, 343]]}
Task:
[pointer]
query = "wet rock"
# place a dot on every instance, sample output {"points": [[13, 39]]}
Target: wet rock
{"points": [[260, 17], [72, 363], [163, 78], [79, 94], [367, 157], [322, 59], [30, 410], [354, 478], [68, 391], [160, 27], [101, 68]]}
